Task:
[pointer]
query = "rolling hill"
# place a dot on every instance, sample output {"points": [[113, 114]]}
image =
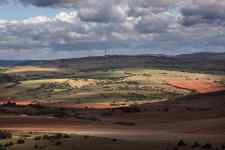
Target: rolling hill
{"points": [[206, 62]]}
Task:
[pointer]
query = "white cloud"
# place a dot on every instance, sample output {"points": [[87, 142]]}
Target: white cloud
{"points": [[121, 25]]}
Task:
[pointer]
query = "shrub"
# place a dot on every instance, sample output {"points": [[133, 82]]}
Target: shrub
{"points": [[5, 135], [20, 141], [9, 144], [45, 136], [223, 146], [66, 136], [2, 147], [125, 123], [131, 109], [57, 136], [175, 148], [58, 143], [181, 143], [195, 145], [114, 140], [53, 137], [86, 136], [216, 148], [6, 78], [166, 109], [37, 138], [207, 146]]}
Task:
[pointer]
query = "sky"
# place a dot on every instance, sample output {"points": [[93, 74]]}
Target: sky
{"points": [[51, 29]]}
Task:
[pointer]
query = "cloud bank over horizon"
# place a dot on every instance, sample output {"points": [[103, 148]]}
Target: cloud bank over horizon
{"points": [[88, 27]]}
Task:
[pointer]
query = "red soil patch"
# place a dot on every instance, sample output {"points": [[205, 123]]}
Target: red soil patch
{"points": [[201, 86], [17, 102], [82, 106], [103, 105]]}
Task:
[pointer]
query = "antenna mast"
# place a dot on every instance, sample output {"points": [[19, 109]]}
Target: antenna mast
{"points": [[106, 60]]}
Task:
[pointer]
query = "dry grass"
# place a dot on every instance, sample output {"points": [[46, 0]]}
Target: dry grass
{"points": [[25, 69], [73, 83]]}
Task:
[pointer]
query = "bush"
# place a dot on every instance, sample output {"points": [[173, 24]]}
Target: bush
{"points": [[53, 137], [37, 138], [114, 140], [166, 109], [6, 78], [125, 123], [58, 143], [181, 143], [9, 144], [223, 146], [195, 145], [86, 136], [207, 146], [66, 136], [2, 147], [20, 141], [5, 135], [45, 137], [175, 148], [131, 109]]}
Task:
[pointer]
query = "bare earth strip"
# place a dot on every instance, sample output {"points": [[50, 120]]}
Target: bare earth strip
{"points": [[201, 86], [24, 69], [160, 129]]}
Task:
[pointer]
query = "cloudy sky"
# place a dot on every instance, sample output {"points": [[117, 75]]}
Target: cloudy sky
{"points": [[49, 29]]}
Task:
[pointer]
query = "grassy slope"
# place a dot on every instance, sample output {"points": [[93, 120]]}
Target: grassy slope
{"points": [[77, 142], [3, 69], [128, 84]]}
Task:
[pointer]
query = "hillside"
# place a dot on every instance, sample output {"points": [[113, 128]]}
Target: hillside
{"points": [[205, 62]]}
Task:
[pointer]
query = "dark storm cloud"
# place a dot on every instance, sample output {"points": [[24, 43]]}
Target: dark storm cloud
{"points": [[131, 26], [153, 24], [208, 12], [41, 3]]}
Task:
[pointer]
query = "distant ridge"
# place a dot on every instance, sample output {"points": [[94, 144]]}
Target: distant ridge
{"points": [[203, 55], [206, 62]]}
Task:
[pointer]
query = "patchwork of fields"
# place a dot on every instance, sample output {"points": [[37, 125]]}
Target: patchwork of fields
{"points": [[110, 86], [86, 106]]}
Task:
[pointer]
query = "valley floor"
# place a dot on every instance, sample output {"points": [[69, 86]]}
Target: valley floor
{"points": [[200, 119]]}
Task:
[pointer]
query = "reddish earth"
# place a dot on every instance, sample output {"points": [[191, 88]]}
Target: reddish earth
{"points": [[148, 127], [199, 118], [16, 101], [63, 105], [201, 86], [203, 121], [83, 105], [105, 105]]}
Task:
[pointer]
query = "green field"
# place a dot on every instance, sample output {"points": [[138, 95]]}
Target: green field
{"points": [[3, 69], [127, 84]]}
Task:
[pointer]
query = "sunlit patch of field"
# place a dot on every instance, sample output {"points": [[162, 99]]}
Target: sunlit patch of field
{"points": [[24, 69], [57, 141], [79, 83], [3, 69], [102, 75], [37, 83], [116, 85], [194, 81], [76, 83]]}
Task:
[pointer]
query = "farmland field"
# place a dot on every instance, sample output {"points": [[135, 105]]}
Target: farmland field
{"points": [[117, 85], [130, 106]]}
